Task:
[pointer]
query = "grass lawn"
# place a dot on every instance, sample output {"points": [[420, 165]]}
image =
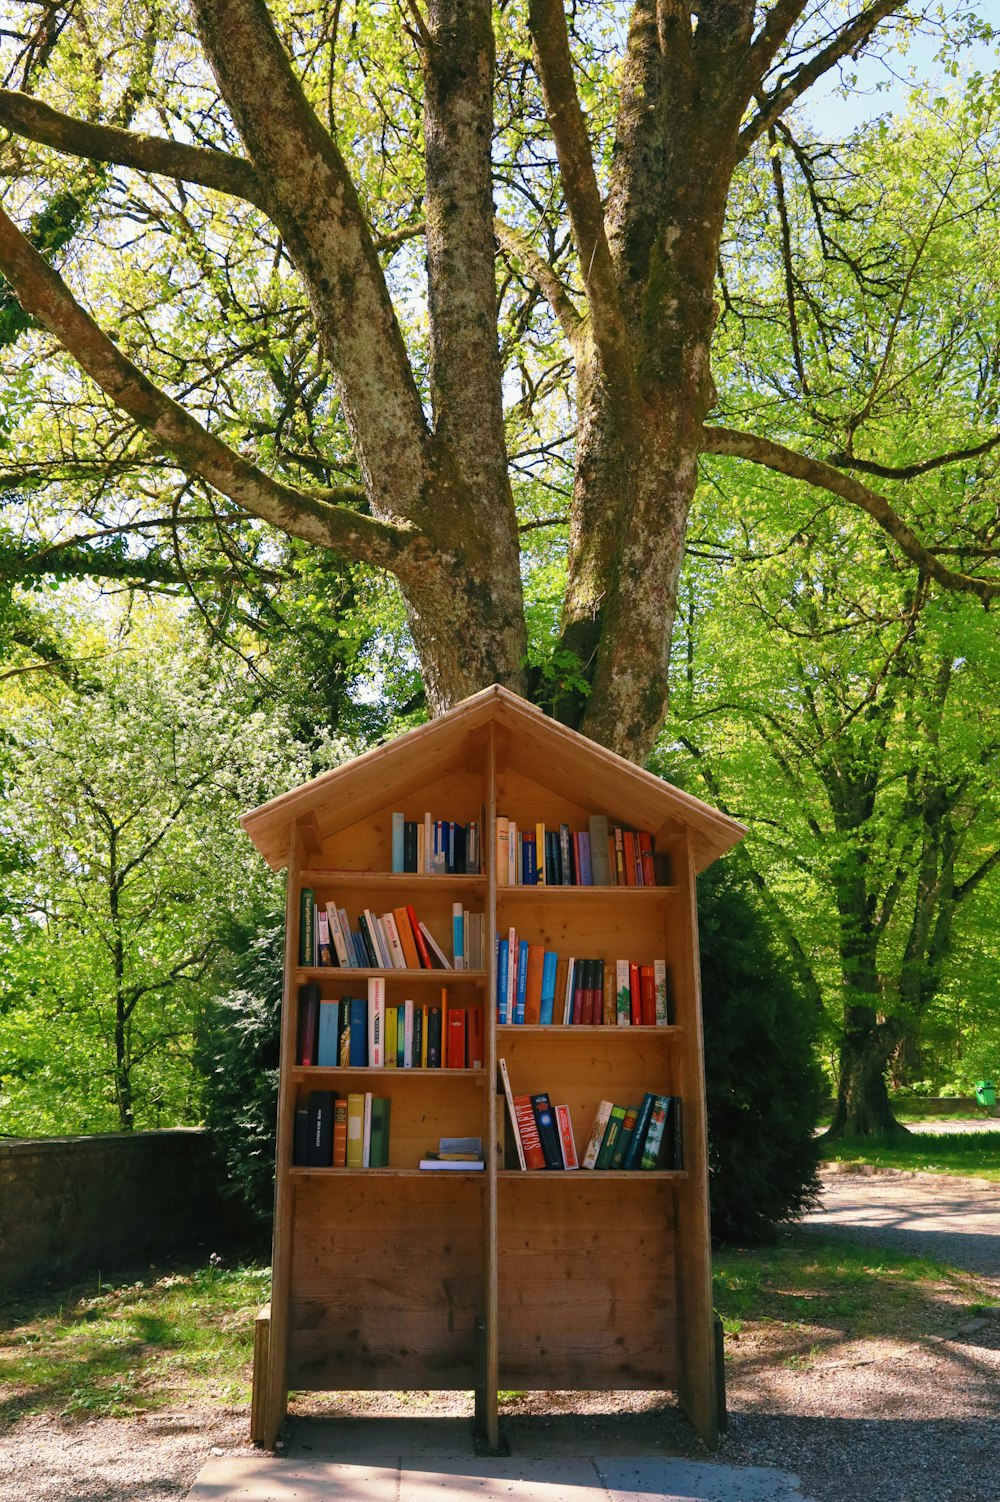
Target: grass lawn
{"points": [[184, 1336], [974, 1154], [805, 1296]]}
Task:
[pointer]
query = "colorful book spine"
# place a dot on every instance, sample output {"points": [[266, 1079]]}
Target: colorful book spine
{"points": [[567, 1140], [355, 1154], [376, 1022], [458, 935], [597, 1131], [615, 1123]]}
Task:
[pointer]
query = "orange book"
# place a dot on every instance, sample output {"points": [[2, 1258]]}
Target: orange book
{"points": [[628, 843], [340, 1133], [646, 852], [533, 985], [402, 917]]}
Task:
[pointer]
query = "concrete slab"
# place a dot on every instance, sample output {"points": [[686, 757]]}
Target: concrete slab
{"points": [[677, 1480], [607, 1478], [267, 1478]]}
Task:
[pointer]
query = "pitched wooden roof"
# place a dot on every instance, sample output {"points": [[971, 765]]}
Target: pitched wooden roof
{"points": [[535, 744]]}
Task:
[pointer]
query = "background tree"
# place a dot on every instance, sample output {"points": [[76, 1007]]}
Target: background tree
{"points": [[295, 371], [123, 810]]}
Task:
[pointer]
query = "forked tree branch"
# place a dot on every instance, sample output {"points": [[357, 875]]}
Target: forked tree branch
{"points": [[847, 40], [547, 23], [520, 248], [320, 517], [919, 467], [36, 121], [786, 461]]}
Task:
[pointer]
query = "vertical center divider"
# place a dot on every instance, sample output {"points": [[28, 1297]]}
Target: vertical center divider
{"points": [[488, 1422]]}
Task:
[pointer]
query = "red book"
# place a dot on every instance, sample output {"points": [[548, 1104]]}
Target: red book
{"points": [[647, 996], [566, 1139], [474, 1038], [418, 939], [308, 1022], [628, 844], [635, 993], [527, 1129], [646, 858], [456, 1038]]}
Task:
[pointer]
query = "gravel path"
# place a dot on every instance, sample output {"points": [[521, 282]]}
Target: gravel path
{"points": [[887, 1420]]}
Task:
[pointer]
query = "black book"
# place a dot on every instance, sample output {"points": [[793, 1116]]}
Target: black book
{"points": [[433, 1037], [418, 1036], [410, 845], [309, 998], [320, 1147], [548, 1131], [461, 846], [300, 1145]]}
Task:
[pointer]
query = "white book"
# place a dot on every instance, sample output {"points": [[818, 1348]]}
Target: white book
{"points": [[434, 946], [376, 1022], [568, 999], [381, 942], [513, 873], [395, 947], [366, 1160], [505, 1077], [323, 924], [408, 1034], [597, 1133], [345, 929], [623, 994], [428, 865], [337, 936]]}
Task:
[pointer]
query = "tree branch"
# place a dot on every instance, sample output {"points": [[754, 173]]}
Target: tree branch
{"points": [[520, 248], [320, 517], [36, 121], [726, 441], [847, 40], [547, 23], [317, 210], [843, 460]]}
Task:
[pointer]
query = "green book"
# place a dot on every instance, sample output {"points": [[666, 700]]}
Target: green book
{"points": [[656, 1133], [307, 910], [378, 1155], [624, 1137], [611, 1135]]}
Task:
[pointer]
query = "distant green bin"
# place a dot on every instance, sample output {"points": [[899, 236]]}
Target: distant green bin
{"points": [[986, 1094]]}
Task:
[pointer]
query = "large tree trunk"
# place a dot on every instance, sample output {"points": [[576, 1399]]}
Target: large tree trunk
{"points": [[863, 1108]]}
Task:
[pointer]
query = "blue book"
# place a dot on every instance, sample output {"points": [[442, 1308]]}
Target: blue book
{"points": [[328, 1047], [398, 862], [549, 964], [529, 862], [358, 1056], [502, 981], [633, 1153], [522, 980]]}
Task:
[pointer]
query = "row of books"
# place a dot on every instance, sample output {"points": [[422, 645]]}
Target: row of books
{"points": [[534, 986], [436, 847], [367, 1032], [644, 1136], [599, 856], [396, 940], [342, 1131]]}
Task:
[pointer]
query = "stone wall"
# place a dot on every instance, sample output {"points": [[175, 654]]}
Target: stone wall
{"points": [[71, 1204]]}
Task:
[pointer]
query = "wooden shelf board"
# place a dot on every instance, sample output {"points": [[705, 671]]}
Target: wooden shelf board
{"points": [[346, 972], [448, 1175], [585, 1030], [317, 877], [589, 1175], [584, 893], [313, 1071]]}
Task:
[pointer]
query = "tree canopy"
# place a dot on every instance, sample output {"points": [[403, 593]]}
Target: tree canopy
{"points": [[428, 286]]}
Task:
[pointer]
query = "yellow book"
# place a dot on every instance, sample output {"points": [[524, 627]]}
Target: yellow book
{"points": [[355, 1131], [540, 854], [423, 1039], [390, 1037]]}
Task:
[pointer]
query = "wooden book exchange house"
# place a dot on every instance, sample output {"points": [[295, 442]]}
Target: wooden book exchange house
{"points": [[491, 1155]]}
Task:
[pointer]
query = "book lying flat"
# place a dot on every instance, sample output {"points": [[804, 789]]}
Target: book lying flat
{"points": [[447, 1164]]}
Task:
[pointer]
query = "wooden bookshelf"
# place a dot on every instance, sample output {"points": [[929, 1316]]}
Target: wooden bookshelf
{"points": [[397, 1277]]}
